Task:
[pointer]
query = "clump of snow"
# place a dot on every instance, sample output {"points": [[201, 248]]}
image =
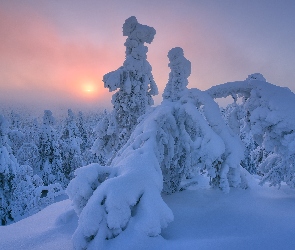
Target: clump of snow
{"points": [[87, 179], [138, 32], [256, 76]]}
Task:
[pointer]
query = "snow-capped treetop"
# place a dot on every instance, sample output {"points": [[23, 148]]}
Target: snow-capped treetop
{"points": [[15, 120], [70, 129], [256, 76], [49, 163], [48, 119], [138, 32], [135, 66], [3, 130], [180, 71], [3, 124], [71, 115]]}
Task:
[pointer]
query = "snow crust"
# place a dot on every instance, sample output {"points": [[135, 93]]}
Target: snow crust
{"points": [[51, 228]]}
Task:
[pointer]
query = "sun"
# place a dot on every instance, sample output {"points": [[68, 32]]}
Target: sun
{"points": [[89, 87]]}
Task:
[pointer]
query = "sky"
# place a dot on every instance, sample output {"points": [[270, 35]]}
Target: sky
{"points": [[53, 53]]}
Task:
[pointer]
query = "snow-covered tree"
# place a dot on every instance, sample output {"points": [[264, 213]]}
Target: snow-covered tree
{"points": [[104, 146], [32, 132], [17, 183], [196, 115], [235, 117], [15, 121], [8, 165], [16, 139], [50, 163], [28, 154], [169, 143], [271, 118], [135, 84], [23, 199], [83, 132], [177, 166], [87, 125], [70, 148], [134, 181], [180, 71]]}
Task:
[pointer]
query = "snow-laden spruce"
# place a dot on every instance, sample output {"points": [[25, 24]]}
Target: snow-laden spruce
{"points": [[20, 189], [8, 166], [49, 153], [136, 86], [28, 154], [16, 138], [271, 120], [180, 71], [83, 132], [170, 143], [204, 140], [234, 115], [70, 149]]}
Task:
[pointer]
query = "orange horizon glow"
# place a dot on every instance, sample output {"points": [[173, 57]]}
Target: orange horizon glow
{"points": [[89, 86], [89, 89], [42, 67], [59, 57]]}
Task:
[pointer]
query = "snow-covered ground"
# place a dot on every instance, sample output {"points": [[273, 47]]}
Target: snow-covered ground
{"points": [[204, 218]]}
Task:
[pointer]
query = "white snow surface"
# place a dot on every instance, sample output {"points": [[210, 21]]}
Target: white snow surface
{"points": [[204, 218]]}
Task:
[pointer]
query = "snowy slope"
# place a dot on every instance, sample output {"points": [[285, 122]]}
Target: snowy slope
{"points": [[204, 218], [43, 230]]}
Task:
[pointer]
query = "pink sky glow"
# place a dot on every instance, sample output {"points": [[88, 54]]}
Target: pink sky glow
{"points": [[54, 54]]}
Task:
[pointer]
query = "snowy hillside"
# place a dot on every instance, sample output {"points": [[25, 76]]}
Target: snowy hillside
{"points": [[256, 218]]}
